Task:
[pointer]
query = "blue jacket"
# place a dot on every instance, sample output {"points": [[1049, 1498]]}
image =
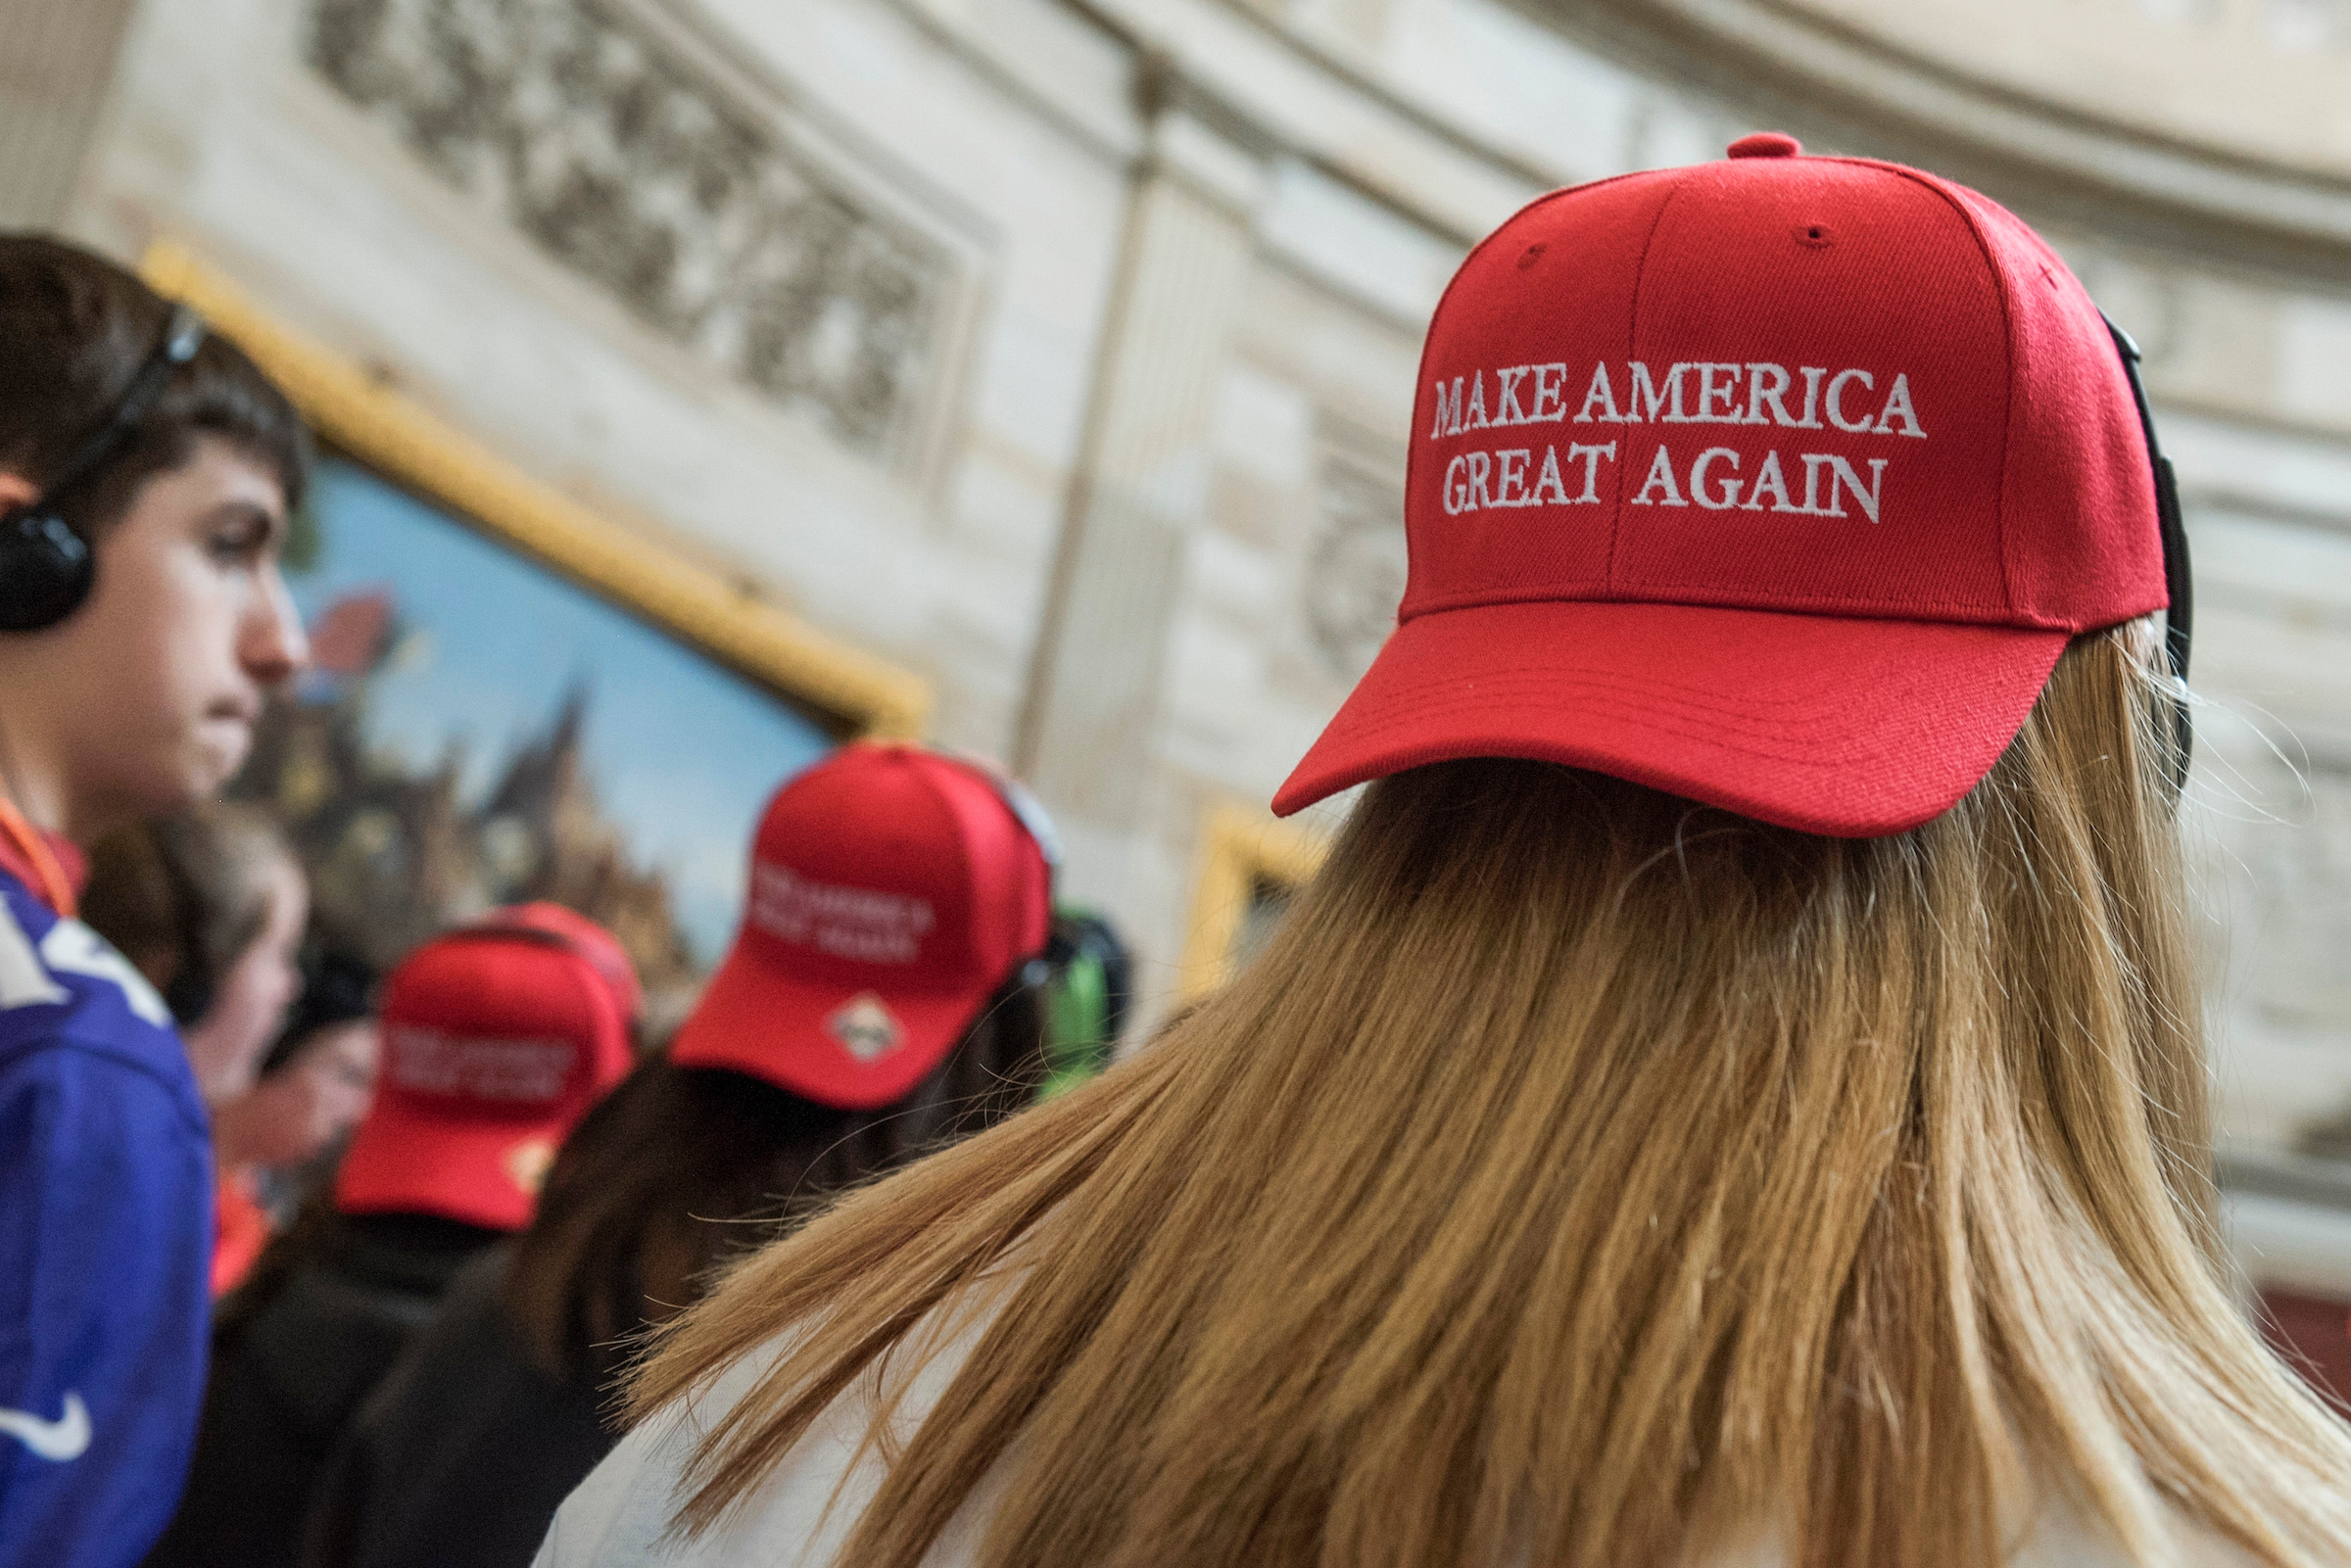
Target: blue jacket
{"points": [[106, 1235]]}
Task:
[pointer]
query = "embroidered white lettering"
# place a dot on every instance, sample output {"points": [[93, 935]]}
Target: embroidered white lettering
{"points": [[497, 1067], [1599, 392], [1449, 409], [1814, 462], [1551, 394], [1591, 456], [1767, 384], [1549, 490], [1697, 480], [1505, 406], [1668, 397], [1479, 464], [1728, 392], [1456, 487], [1897, 407], [868, 924], [1769, 480], [1842, 478], [1811, 374], [1835, 399], [1708, 394], [1660, 476], [1509, 476]]}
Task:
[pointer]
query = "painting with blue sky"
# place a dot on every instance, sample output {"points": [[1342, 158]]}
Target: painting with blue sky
{"points": [[482, 729]]}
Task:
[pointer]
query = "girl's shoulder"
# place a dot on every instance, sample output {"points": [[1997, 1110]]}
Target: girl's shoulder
{"points": [[802, 1513]]}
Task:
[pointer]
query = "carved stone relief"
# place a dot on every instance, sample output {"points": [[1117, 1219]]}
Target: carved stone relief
{"points": [[632, 168], [1355, 557]]}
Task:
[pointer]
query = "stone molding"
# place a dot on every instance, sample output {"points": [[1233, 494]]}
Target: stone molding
{"points": [[1846, 88], [1281, 87], [576, 123], [2259, 79]]}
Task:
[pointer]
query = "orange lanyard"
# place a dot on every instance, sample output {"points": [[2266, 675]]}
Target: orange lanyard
{"points": [[55, 889]]}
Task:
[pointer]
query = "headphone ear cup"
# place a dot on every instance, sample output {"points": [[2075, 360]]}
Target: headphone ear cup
{"points": [[46, 570]]}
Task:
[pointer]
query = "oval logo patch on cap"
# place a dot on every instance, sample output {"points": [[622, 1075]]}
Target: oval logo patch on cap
{"points": [[527, 1164], [865, 1027]]}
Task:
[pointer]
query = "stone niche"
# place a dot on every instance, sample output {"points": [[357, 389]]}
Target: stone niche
{"points": [[584, 125]]}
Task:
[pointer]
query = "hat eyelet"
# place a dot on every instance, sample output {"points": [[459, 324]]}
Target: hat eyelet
{"points": [[1815, 236]]}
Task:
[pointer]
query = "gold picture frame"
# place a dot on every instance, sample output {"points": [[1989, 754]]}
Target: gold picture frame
{"points": [[383, 429], [1243, 856]]}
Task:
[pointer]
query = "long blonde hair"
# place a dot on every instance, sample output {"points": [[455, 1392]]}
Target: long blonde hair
{"points": [[1585, 1176]]}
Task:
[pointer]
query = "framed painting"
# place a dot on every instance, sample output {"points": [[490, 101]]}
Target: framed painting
{"points": [[512, 697], [1250, 867]]}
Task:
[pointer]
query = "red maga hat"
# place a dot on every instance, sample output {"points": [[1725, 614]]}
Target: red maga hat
{"points": [[892, 892], [1779, 483], [498, 1038]]}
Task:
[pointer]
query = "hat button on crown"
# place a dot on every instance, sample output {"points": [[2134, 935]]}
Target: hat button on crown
{"points": [[1766, 144]]}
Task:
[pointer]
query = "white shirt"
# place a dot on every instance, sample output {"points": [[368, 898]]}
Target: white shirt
{"points": [[805, 1509]]}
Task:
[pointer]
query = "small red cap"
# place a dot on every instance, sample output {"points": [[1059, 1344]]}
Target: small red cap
{"points": [[893, 892], [1779, 483], [498, 1038]]}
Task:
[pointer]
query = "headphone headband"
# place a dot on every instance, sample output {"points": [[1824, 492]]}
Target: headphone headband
{"points": [[183, 334]]}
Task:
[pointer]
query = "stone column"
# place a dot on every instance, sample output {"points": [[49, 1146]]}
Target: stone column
{"points": [[57, 60], [1092, 706]]}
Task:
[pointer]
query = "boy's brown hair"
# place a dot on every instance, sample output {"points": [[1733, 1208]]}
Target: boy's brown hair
{"points": [[75, 329]]}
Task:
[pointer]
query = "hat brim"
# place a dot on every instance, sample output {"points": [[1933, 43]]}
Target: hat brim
{"points": [[1851, 728], [405, 1160], [758, 1018]]}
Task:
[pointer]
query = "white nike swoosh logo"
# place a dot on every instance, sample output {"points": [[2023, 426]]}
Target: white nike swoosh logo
{"points": [[62, 1439]]}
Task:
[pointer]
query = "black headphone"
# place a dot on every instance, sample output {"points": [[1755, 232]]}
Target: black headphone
{"points": [[1086, 972], [46, 567], [2179, 618]]}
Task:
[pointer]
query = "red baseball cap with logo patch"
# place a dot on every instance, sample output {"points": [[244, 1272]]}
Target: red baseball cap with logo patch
{"points": [[1777, 482], [498, 1038], [892, 892]]}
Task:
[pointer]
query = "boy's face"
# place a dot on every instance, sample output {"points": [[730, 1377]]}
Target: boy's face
{"points": [[148, 694]]}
